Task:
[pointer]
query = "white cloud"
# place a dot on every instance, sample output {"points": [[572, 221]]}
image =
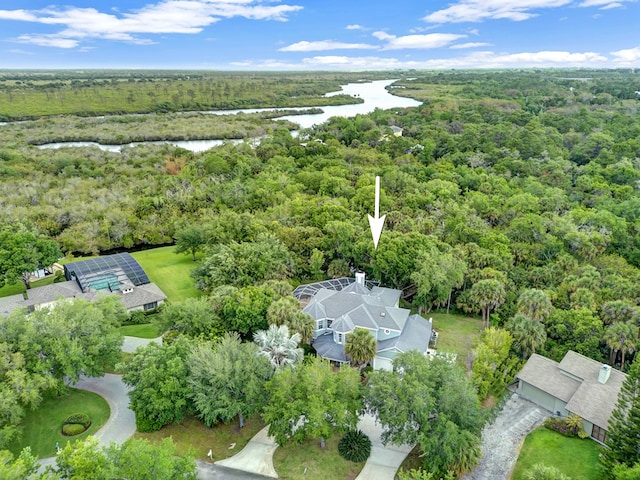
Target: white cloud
{"points": [[354, 27], [604, 4], [305, 46], [166, 16], [611, 5], [478, 10], [431, 40], [627, 57], [470, 45], [484, 59]]}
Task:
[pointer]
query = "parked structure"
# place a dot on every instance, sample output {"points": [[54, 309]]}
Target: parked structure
{"points": [[577, 385]]}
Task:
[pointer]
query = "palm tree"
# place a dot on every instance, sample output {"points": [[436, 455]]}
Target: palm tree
{"points": [[303, 324], [528, 335], [278, 346], [534, 304], [487, 294], [617, 311], [282, 309], [360, 347], [621, 337]]}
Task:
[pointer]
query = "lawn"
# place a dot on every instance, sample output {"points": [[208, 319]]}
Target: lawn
{"points": [[456, 333], [144, 330], [170, 271], [311, 462], [42, 427], [192, 435], [574, 457]]}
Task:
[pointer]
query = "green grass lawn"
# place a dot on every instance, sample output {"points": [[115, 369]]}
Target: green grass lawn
{"points": [[457, 333], [290, 461], [42, 428], [170, 271], [145, 330], [193, 435], [574, 457]]}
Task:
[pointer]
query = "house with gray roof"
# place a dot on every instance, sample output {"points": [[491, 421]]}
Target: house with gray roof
{"points": [[338, 309], [577, 385], [116, 274]]}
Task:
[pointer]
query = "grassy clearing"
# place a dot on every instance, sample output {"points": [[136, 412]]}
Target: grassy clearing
{"points": [[145, 330], [290, 461], [170, 271], [42, 427], [574, 457], [457, 333], [191, 435], [124, 358]]}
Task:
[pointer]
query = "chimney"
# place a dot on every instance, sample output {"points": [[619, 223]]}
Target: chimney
{"points": [[360, 278], [603, 376]]}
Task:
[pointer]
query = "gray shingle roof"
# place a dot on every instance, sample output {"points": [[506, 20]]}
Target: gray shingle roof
{"points": [[585, 396], [327, 348], [142, 295], [11, 303]]}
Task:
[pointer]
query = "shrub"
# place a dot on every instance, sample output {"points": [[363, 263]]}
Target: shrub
{"points": [[71, 429], [544, 472], [355, 446], [569, 427], [78, 418], [137, 317]]}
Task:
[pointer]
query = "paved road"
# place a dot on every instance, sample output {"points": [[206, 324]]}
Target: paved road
{"points": [[210, 471], [256, 457]]}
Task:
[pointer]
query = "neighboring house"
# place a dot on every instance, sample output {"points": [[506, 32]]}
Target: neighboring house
{"points": [[339, 307], [397, 131], [577, 385], [118, 274]]}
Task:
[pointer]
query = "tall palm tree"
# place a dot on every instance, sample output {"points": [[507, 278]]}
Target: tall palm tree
{"points": [[360, 347], [278, 346], [621, 337], [488, 294], [535, 304], [528, 335], [303, 324]]}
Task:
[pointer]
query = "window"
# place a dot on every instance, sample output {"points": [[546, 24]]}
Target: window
{"points": [[329, 322], [150, 306], [339, 340], [319, 324], [599, 434]]}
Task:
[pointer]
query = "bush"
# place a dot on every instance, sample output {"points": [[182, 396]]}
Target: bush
{"points": [[71, 429], [137, 317], [355, 446], [78, 418], [569, 427], [544, 472]]}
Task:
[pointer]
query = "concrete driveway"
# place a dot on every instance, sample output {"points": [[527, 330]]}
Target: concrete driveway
{"points": [[256, 457], [384, 461], [130, 344]]}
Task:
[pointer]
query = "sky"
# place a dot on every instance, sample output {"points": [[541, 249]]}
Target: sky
{"points": [[319, 34]]}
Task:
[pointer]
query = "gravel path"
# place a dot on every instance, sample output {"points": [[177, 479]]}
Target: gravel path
{"points": [[502, 439]]}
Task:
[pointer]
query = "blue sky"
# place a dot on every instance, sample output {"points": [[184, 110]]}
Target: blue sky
{"points": [[319, 34]]}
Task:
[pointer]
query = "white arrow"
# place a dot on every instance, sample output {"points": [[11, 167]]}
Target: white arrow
{"points": [[376, 223]]}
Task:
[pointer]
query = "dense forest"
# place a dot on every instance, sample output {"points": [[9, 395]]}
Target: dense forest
{"points": [[520, 180]]}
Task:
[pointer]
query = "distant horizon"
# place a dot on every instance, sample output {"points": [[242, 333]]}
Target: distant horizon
{"points": [[319, 35]]}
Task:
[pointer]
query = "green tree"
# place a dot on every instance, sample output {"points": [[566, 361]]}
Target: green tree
{"points": [[621, 337], [534, 304], [244, 310], [429, 402], [436, 275], [23, 252], [360, 347], [618, 311], [24, 466], [157, 375], [487, 295], [190, 240], [493, 366], [135, 458], [577, 330], [194, 317], [528, 335], [278, 346], [624, 425], [227, 380], [312, 401]]}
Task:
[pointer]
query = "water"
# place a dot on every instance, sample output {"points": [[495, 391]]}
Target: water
{"points": [[374, 95]]}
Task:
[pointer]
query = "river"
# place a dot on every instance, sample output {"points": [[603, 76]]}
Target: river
{"points": [[374, 95]]}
